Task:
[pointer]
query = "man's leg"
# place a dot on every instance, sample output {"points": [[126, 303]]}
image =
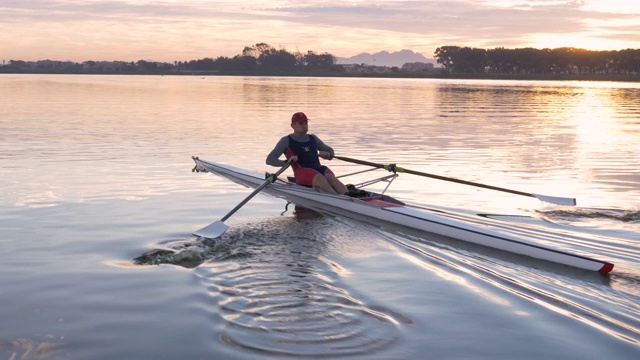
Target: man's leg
{"points": [[335, 184], [322, 183]]}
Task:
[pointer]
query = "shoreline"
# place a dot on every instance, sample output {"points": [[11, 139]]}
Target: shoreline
{"points": [[400, 75]]}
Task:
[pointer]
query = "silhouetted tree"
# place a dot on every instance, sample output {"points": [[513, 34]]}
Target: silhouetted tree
{"points": [[559, 61], [318, 61], [447, 56]]}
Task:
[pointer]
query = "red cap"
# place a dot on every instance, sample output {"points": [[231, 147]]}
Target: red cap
{"points": [[299, 117]]}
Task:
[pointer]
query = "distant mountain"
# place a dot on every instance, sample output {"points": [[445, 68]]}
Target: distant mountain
{"points": [[385, 58]]}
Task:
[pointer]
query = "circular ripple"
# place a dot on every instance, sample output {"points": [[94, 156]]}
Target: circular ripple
{"points": [[284, 299], [287, 310]]}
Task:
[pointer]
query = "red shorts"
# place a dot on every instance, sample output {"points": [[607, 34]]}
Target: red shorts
{"points": [[304, 176]]}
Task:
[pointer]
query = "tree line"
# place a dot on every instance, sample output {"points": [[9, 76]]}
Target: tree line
{"points": [[264, 59], [260, 58], [559, 61]]}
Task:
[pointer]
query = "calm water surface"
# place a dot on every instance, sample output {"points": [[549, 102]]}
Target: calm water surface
{"points": [[97, 206]]}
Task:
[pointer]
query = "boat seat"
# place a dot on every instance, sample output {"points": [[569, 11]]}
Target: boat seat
{"points": [[293, 181]]}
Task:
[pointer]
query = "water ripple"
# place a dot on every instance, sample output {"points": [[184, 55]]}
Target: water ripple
{"points": [[571, 294], [287, 301], [278, 294]]}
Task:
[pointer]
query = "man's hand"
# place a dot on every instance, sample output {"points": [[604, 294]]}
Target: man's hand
{"points": [[324, 155], [292, 159]]}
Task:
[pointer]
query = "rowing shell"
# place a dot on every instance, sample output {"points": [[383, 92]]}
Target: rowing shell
{"points": [[378, 209]]}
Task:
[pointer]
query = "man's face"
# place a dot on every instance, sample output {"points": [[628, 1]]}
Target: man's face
{"points": [[300, 127]]}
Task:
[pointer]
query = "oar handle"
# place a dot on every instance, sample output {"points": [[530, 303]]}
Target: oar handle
{"points": [[397, 169]]}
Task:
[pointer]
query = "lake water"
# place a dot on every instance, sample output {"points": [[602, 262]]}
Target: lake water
{"points": [[98, 202]]}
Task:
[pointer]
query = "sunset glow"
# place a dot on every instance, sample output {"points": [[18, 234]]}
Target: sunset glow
{"points": [[162, 30]]}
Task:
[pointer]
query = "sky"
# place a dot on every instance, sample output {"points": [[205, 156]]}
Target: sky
{"points": [[182, 30]]}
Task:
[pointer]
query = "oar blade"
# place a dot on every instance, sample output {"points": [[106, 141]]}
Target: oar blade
{"points": [[556, 200], [213, 230]]}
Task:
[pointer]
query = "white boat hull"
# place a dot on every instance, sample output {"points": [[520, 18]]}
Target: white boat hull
{"points": [[376, 211]]}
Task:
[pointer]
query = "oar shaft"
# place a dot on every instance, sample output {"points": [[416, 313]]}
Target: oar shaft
{"points": [[465, 182], [394, 168], [256, 191], [439, 177]]}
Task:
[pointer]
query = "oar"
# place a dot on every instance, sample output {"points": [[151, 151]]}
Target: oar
{"points": [[218, 228], [396, 169]]}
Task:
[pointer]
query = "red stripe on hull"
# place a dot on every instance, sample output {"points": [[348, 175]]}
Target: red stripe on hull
{"points": [[606, 268]]}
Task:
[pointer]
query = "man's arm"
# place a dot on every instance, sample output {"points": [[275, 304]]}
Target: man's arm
{"points": [[281, 147], [324, 147]]}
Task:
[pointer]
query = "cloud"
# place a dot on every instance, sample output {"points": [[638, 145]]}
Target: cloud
{"points": [[461, 19], [167, 30]]}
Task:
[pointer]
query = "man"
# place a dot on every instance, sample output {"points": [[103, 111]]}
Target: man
{"points": [[304, 151]]}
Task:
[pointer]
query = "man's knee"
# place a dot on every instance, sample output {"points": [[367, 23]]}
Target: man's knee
{"points": [[320, 179]]}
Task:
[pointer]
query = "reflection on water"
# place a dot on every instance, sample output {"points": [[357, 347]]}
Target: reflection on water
{"points": [[28, 349], [565, 138], [572, 215], [313, 286]]}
